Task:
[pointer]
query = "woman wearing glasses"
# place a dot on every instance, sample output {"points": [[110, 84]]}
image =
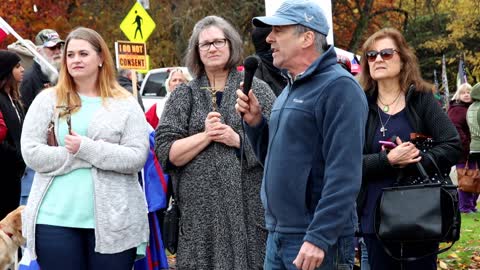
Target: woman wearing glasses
{"points": [[400, 103], [198, 142]]}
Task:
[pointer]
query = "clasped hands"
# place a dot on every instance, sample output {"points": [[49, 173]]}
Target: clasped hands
{"points": [[219, 132], [403, 154]]}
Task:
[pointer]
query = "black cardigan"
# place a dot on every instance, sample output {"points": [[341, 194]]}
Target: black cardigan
{"points": [[426, 117], [11, 161]]}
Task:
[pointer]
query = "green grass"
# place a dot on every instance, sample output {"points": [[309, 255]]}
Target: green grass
{"points": [[465, 253]]}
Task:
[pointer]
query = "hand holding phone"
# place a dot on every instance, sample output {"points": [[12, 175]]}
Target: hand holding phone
{"points": [[387, 144]]}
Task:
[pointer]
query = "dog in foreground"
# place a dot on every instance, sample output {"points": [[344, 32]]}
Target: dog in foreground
{"points": [[10, 238]]}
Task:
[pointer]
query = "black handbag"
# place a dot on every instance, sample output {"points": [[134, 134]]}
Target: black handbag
{"points": [[171, 225], [422, 213]]}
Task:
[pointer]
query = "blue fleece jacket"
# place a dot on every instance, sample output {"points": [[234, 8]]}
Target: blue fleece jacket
{"points": [[313, 163]]}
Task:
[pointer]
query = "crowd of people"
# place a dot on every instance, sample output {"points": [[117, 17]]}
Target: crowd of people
{"points": [[285, 175]]}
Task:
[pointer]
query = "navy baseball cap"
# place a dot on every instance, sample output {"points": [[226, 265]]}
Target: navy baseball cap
{"points": [[304, 12]]}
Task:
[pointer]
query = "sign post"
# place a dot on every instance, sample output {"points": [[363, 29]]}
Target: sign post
{"points": [[133, 56]]}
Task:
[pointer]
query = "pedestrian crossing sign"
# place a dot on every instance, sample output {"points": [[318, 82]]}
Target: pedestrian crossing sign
{"points": [[137, 25]]}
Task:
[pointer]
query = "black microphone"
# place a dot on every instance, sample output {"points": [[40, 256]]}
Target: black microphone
{"points": [[250, 64]]}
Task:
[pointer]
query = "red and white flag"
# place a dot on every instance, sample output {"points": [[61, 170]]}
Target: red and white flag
{"points": [[3, 32]]}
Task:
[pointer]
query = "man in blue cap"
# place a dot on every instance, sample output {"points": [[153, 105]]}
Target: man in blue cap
{"points": [[313, 166]]}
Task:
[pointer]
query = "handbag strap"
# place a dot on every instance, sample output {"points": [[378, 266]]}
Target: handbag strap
{"points": [[171, 189], [467, 165], [434, 163], [438, 168], [422, 171], [411, 259]]}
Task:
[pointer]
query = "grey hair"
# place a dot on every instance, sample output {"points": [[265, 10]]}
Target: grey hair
{"points": [[462, 87], [192, 58], [320, 39]]}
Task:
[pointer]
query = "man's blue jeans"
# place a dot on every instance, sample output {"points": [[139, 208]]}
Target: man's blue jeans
{"points": [[283, 248]]}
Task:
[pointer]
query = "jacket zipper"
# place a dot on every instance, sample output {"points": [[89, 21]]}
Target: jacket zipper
{"points": [[266, 169]]}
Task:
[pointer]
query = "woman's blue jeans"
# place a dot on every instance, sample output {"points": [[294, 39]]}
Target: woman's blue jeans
{"points": [[60, 248]]}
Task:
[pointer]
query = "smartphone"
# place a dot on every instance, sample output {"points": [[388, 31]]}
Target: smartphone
{"points": [[388, 144]]}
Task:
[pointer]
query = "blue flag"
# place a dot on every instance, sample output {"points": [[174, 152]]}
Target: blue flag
{"points": [[26, 263], [156, 182], [155, 188], [155, 259]]}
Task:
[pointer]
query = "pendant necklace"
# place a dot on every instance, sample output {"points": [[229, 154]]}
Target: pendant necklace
{"points": [[383, 129], [386, 107]]}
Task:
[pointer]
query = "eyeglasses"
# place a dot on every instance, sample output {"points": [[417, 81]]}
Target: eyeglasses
{"points": [[385, 54], [219, 43]]}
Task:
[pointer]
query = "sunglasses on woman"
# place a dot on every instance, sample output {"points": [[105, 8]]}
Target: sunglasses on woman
{"points": [[385, 54]]}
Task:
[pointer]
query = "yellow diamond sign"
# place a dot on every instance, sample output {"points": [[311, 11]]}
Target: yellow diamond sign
{"points": [[137, 25]]}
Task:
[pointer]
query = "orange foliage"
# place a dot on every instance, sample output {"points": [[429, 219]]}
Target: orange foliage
{"points": [[21, 16]]}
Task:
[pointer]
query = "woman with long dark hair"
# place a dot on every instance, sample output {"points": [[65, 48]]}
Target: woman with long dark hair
{"points": [[400, 103], [11, 162]]}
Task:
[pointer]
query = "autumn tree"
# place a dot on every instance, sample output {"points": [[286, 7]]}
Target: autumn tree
{"points": [[28, 17], [355, 20]]}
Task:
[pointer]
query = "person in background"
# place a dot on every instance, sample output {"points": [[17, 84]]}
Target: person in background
{"points": [[312, 171], [345, 63], [25, 54], [468, 201], [38, 77], [266, 71], [457, 112], [175, 77], [86, 208], [3, 128], [125, 80], [198, 143], [11, 161], [400, 103]]}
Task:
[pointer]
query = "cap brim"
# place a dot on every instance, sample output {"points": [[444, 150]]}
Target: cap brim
{"points": [[52, 43], [266, 21]]}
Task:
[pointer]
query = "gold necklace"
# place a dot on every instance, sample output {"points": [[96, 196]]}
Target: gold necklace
{"points": [[386, 107]]}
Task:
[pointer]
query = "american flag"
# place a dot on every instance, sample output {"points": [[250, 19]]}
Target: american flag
{"points": [[461, 74], [3, 32], [445, 82]]}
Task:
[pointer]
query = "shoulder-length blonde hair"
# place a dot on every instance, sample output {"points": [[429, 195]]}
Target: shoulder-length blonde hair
{"points": [[410, 70], [460, 89], [106, 83]]}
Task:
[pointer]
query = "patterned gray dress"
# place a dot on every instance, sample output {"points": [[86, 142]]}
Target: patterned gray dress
{"points": [[222, 223]]}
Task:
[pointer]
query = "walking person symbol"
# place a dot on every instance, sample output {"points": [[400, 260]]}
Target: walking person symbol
{"points": [[138, 21]]}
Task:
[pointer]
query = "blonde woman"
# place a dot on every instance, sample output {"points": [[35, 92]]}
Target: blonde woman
{"points": [[86, 209], [176, 77]]}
